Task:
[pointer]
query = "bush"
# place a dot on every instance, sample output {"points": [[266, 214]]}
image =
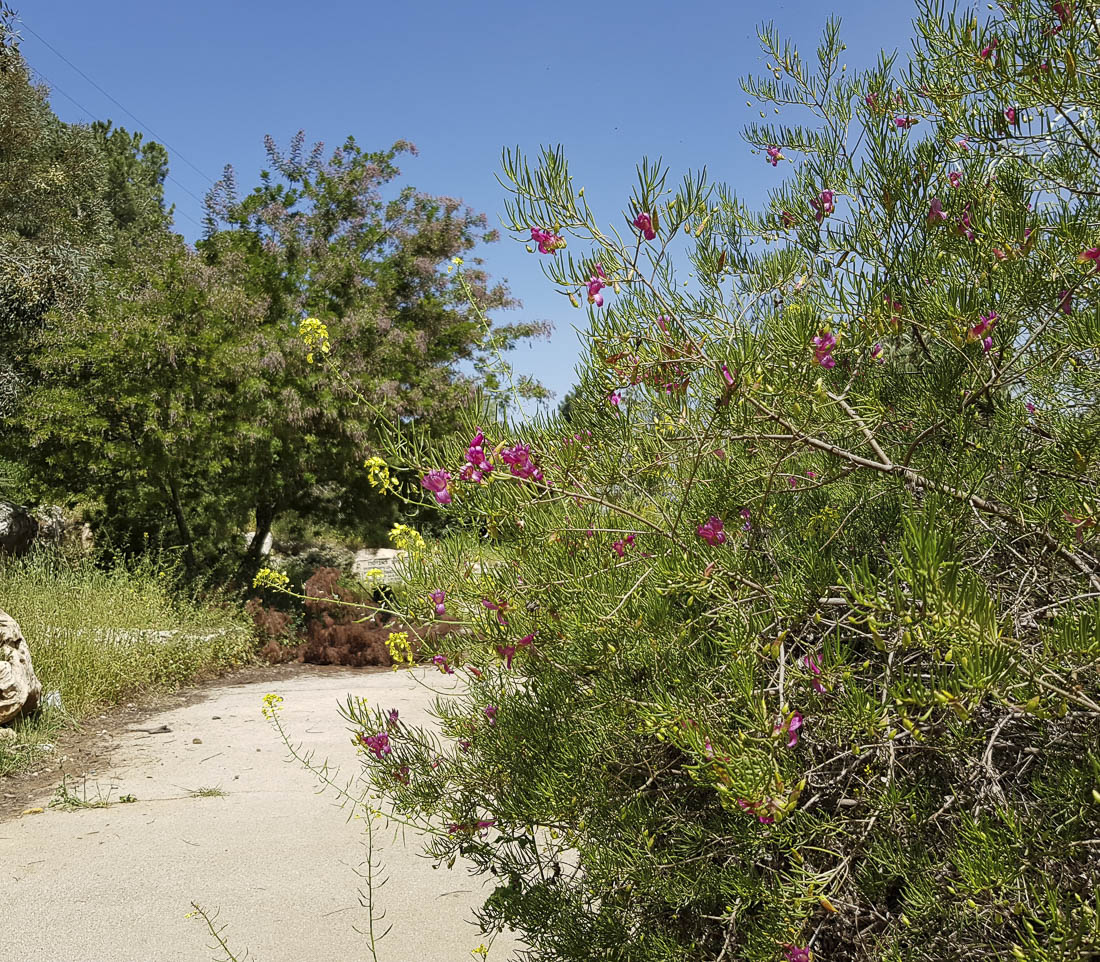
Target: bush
{"points": [[794, 643]]}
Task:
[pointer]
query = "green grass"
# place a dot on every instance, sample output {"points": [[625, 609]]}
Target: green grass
{"points": [[93, 637]]}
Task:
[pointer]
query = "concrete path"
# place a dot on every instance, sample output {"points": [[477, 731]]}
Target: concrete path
{"points": [[273, 857]]}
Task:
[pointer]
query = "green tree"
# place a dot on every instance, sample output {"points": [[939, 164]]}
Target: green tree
{"points": [[181, 400], [798, 650]]}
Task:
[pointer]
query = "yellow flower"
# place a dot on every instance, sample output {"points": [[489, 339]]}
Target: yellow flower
{"points": [[269, 578], [407, 539], [314, 335], [379, 475], [400, 650], [374, 573], [271, 704]]}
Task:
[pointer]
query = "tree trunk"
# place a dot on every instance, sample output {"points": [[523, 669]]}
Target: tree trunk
{"points": [[181, 525], [250, 564]]}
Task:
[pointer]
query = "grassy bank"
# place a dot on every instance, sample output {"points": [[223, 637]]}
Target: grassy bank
{"points": [[99, 636]]}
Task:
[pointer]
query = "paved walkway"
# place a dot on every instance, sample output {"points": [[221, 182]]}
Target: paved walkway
{"points": [[273, 857]]}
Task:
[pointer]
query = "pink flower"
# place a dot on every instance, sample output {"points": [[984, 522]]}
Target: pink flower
{"points": [[787, 219], [936, 213], [712, 532], [871, 100], [1065, 302], [983, 327], [823, 347], [644, 223], [988, 49], [824, 204], [499, 607], [955, 177], [549, 243], [795, 953], [1010, 115], [876, 353], [813, 663], [746, 514], [615, 397], [662, 322], [1092, 254], [790, 728], [519, 460], [477, 464], [904, 123], [507, 652], [436, 481], [437, 597], [963, 145], [491, 715], [595, 285], [621, 546], [1030, 407], [441, 663], [792, 481], [1063, 10], [726, 374], [774, 156], [393, 714], [378, 744], [964, 228]]}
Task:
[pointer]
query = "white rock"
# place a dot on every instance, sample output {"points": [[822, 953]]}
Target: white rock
{"points": [[19, 687]]}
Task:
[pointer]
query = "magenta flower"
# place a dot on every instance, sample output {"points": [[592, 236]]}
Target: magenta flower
{"points": [[549, 243], [955, 177], [823, 205], [790, 728], [1010, 115], [1065, 302], [393, 716], [876, 353], [378, 744], [438, 597], [595, 285], [746, 514], [980, 331], [518, 458], [963, 145], [486, 822], [1063, 10], [491, 714], [823, 349], [726, 374], [662, 322], [507, 652], [712, 532], [1091, 254], [621, 546], [787, 219], [644, 223], [936, 213], [1030, 407], [989, 48], [871, 100], [774, 156], [441, 663], [477, 464], [964, 228], [795, 953], [904, 123], [615, 398], [813, 663], [499, 607], [436, 481]]}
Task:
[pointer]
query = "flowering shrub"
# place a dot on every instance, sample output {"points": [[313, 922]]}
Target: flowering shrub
{"points": [[861, 722]]}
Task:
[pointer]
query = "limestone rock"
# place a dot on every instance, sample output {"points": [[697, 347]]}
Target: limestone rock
{"points": [[19, 688], [380, 559], [17, 528]]}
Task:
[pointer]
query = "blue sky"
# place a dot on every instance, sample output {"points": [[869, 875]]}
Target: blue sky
{"points": [[611, 81]]}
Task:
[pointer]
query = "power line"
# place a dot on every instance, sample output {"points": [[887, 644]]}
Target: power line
{"points": [[149, 130], [80, 106]]}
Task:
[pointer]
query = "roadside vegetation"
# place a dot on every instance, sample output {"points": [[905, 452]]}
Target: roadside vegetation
{"points": [[102, 635]]}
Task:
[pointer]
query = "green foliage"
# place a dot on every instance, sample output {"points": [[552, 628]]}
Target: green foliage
{"points": [[797, 645], [182, 400]]}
